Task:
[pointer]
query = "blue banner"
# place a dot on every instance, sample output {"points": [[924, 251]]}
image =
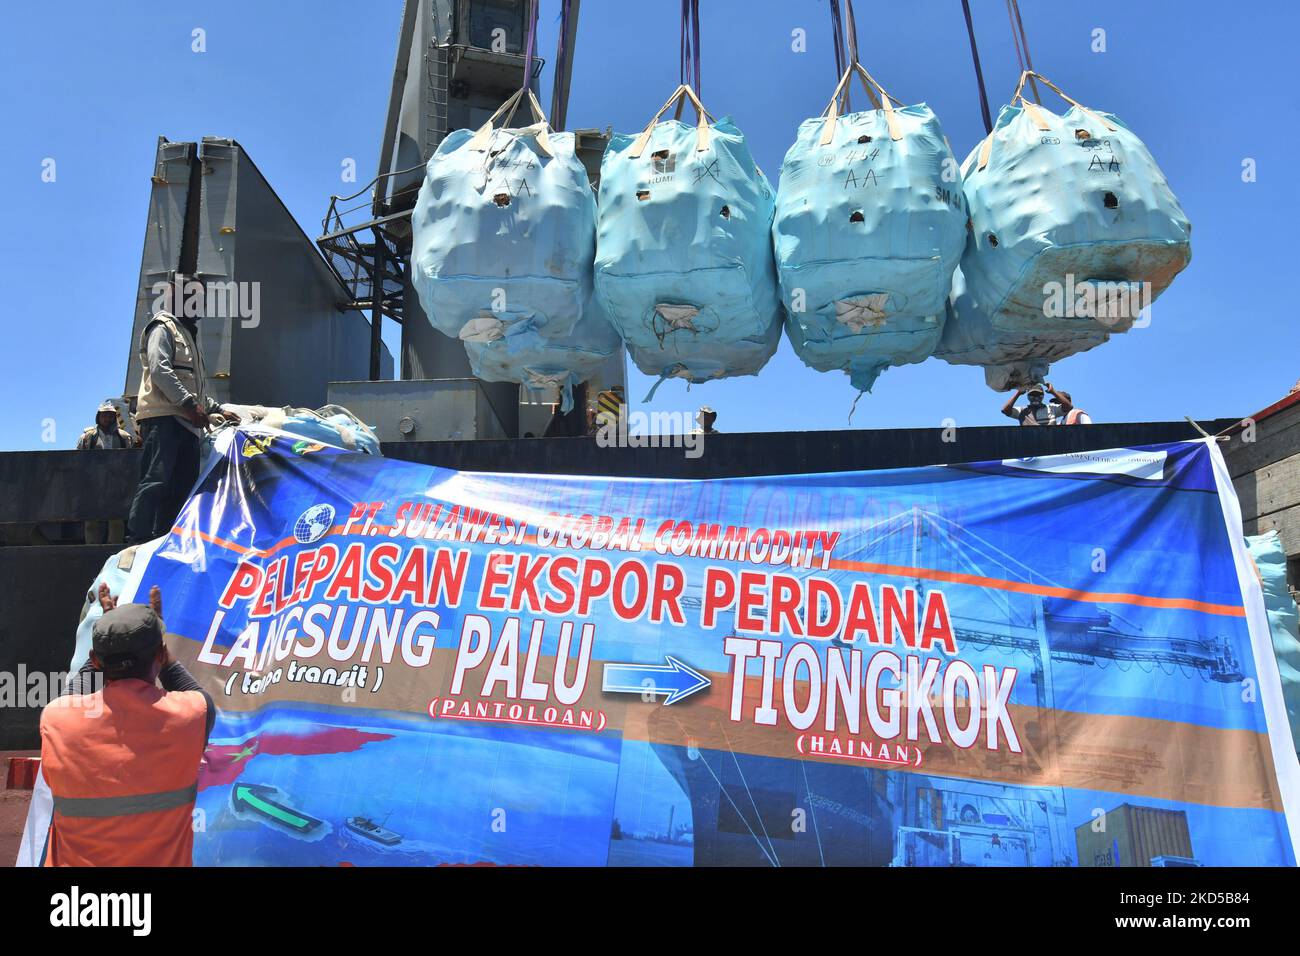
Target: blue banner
{"points": [[1042, 662]]}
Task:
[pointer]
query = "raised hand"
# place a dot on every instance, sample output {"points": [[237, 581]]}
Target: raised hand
{"points": [[106, 600]]}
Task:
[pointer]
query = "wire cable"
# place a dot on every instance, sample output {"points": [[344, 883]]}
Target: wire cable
{"points": [[979, 73]]}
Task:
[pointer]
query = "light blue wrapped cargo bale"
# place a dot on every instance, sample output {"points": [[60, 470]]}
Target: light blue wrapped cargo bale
{"points": [[501, 351], [505, 225], [703, 358], [1011, 358], [870, 224], [1073, 225], [683, 250]]}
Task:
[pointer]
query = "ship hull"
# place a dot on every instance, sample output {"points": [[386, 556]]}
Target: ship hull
{"points": [[750, 810]]}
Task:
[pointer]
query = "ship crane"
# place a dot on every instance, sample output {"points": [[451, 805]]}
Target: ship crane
{"points": [[1069, 638], [1214, 658]]}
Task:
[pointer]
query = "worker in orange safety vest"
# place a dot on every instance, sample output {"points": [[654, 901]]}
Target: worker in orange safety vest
{"points": [[120, 754], [1073, 414]]}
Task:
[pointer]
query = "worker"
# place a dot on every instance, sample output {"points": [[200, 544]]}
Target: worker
{"points": [[1073, 414], [120, 754], [1037, 412], [704, 420], [172, 411], [106, 433]]}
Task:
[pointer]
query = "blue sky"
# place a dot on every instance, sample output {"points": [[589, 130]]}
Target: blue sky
{"points": [[303, 85]]}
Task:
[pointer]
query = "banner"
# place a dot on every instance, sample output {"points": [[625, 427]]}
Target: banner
{"points": [[1043, 662]]}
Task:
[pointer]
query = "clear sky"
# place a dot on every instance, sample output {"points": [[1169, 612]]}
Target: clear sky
{"points": [[303, 85]]}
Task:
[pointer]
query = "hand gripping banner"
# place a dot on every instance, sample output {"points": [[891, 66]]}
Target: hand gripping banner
{"points": [[1042, 662]]}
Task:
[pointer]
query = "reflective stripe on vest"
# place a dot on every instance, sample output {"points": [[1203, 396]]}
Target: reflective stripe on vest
{"points": [[123, 784], [125, 806]]}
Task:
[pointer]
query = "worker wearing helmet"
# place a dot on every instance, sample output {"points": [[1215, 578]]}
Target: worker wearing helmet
{"points": [[704, 420], [1037, 412], [106, 433], [121, 755]]}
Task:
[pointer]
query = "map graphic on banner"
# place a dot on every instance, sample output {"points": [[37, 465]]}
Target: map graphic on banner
{"points": [[1044, 662]]}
